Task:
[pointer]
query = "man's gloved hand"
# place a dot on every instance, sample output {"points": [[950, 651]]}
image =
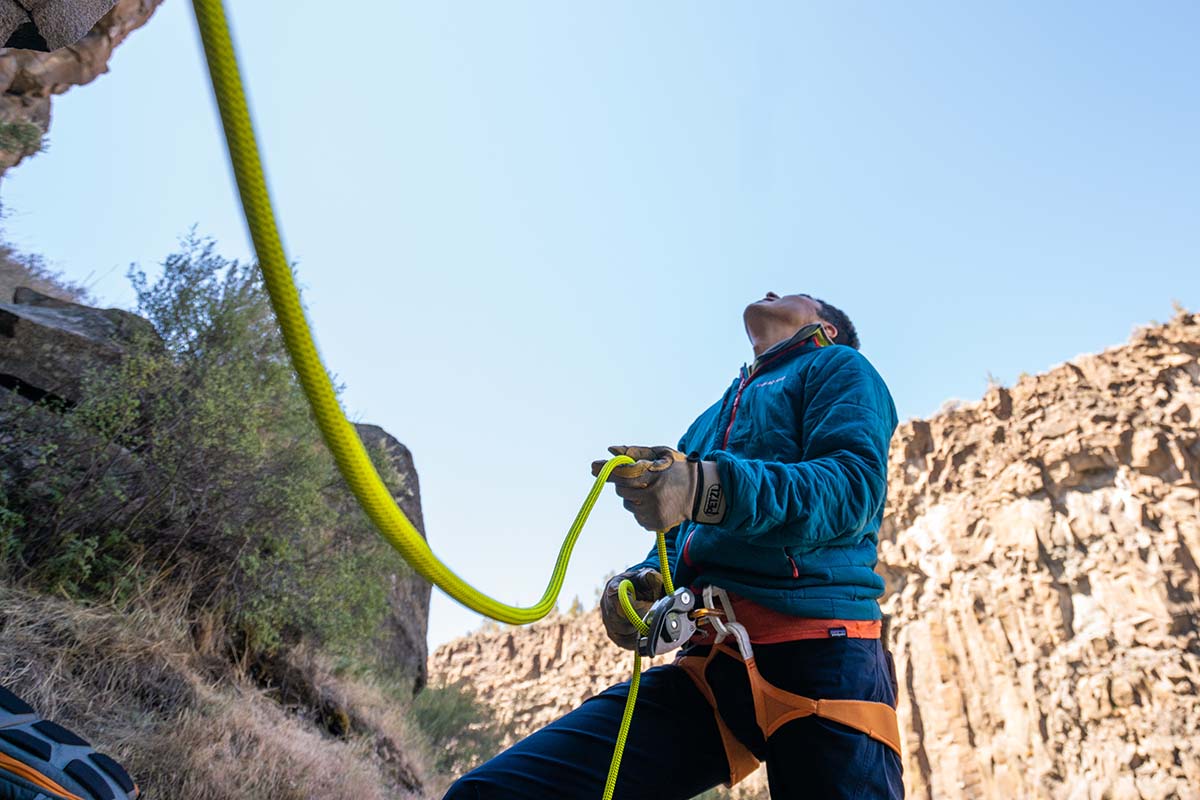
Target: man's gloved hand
{"points": [[662, 488], [647, 587]]}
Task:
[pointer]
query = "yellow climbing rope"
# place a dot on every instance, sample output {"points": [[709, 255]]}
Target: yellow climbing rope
{"points": [[339, 435], [624, 593]]}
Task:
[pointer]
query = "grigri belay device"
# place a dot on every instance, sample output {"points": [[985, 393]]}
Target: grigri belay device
{"points": [[670, 623]]}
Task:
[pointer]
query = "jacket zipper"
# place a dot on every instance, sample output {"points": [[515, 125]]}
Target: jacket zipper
{"points": [[747, 377], [737, 399]]}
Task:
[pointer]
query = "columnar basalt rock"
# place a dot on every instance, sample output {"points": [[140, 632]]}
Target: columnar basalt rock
{"points": [[1040, 550]]}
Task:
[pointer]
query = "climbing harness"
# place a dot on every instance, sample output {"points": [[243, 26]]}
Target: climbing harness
{"points": [[773, 707]]}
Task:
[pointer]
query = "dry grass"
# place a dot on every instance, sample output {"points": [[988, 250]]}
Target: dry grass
{"points": [[189, 727], [231, 748]]}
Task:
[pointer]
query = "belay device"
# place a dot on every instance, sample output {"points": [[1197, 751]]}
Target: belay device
{"points": [[670, 623]]}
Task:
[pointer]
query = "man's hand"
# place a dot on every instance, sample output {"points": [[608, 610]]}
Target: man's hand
{"points": [[662, 488], [647, 587]]}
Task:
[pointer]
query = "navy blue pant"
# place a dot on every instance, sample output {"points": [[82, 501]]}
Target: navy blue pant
{"points": [[674, 750]]}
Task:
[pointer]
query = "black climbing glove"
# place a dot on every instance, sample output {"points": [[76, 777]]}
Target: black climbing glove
{"points": [[647, 587]]}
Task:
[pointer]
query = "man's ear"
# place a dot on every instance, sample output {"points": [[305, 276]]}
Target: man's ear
{"points": [[830, 330]]}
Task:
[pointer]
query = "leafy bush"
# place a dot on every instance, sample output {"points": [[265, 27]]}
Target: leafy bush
{"points": [[196, 460], [461, 731], [21, 137]]}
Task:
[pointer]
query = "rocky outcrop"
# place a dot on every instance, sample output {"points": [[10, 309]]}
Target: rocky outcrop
{"points": [[48, 346], [1040, 553], [29, 78], [403, 639]]}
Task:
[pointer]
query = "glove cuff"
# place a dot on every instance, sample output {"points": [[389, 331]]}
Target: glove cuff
{"points": [[708, 507]]}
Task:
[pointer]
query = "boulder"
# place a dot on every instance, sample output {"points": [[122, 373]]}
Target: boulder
{"points": [[48, 346]]}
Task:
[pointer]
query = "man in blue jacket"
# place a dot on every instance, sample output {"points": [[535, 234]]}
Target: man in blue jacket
{"points": [[775, 495]]}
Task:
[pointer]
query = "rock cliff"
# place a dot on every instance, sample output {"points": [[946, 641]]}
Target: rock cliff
{"points": [[1040, 553], [29, 78]]}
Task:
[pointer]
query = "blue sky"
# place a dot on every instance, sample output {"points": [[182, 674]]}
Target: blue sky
{"points": [[527, 230]]}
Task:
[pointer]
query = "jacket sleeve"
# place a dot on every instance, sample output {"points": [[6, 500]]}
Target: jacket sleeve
{"points": [[840, 484]]}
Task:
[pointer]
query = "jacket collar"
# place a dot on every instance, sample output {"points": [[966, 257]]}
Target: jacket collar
{"points": [[807, 338]]}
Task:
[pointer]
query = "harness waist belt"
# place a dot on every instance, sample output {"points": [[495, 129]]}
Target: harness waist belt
{"points": [[768, 626]]}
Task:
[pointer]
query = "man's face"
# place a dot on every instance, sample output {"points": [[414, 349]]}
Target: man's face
{"points": [[791, 310]]}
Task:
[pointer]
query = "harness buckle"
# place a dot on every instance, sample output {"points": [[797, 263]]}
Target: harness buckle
{"points": [[669, 623]]}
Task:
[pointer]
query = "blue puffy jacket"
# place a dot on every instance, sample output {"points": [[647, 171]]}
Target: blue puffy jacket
{"points": [[801, 443]]}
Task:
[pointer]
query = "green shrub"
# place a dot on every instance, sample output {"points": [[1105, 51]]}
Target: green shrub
{"points": [[21, 137], [196, 460], [460, 730]]}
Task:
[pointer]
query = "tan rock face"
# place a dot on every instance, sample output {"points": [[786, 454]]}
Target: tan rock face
{"points": [[1040, 557], [28, 78], [1040, 554]]}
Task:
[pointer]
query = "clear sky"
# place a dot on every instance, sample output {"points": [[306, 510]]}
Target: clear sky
{"points": [[528, 230]]}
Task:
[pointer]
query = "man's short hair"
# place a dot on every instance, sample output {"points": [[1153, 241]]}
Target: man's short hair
{"points": [[846, 332]]}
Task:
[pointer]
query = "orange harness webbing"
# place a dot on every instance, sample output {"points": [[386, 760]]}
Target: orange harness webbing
{"points": [[773, 707]]}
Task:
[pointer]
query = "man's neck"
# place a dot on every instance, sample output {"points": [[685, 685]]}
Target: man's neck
{"points": [[762, 341], [804, 331]]}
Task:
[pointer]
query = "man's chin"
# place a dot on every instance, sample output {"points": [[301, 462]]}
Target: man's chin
{"points": [[758, 310]]}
